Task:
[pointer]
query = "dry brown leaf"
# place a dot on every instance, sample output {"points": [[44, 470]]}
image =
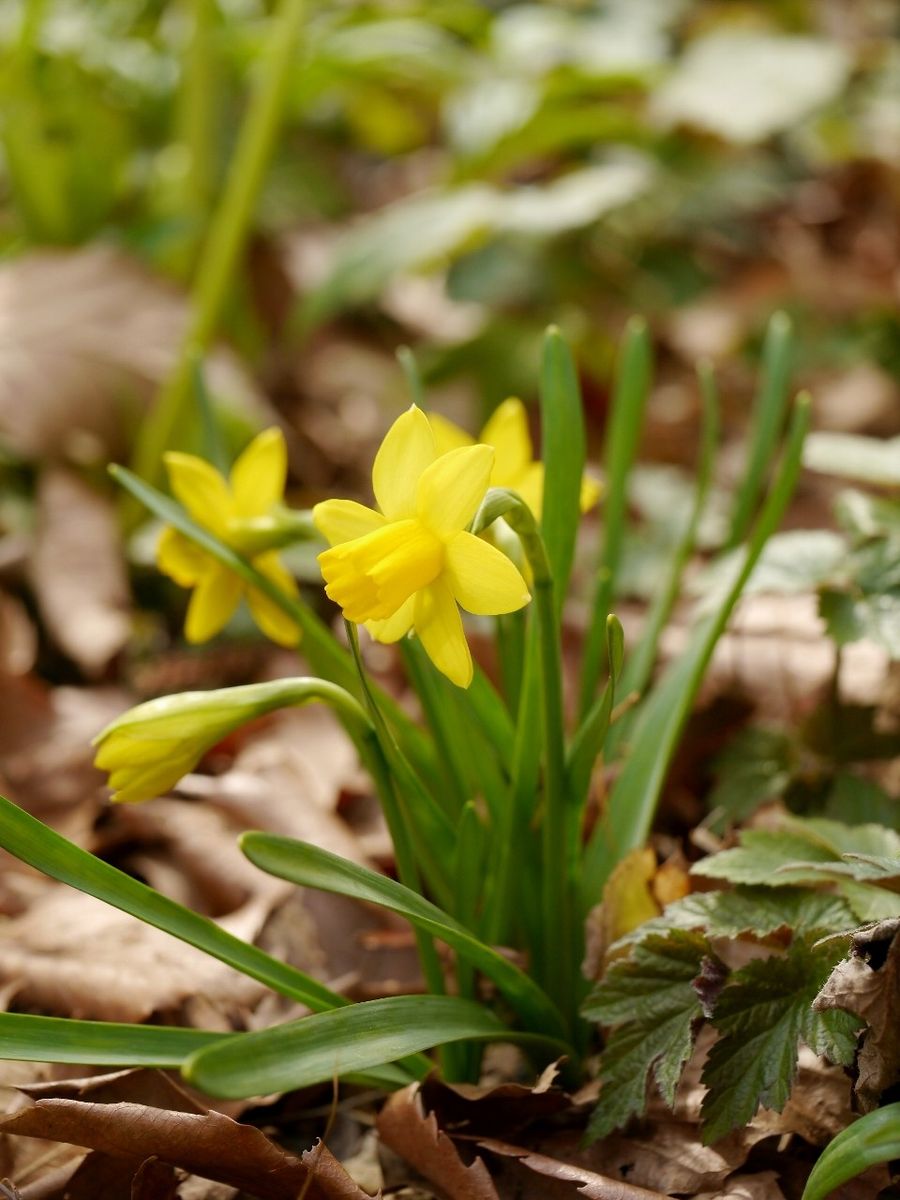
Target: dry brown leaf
{"points": [[501, 1111], [204, 1143], [85, 334], [78, 570], [589, 1184], [761, 1186], [117, 968], [18, 637], [416, 1137], [868, 984], [819, 1105]]}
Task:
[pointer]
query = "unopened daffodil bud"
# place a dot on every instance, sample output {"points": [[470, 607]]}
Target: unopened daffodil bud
{"points": [[150, 747]]}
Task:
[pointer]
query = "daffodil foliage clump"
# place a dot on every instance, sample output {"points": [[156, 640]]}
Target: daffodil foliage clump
{"points": [[502, 833]]}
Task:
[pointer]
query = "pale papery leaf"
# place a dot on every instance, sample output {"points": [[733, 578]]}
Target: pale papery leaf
{"points": [[78, 570], [85, 335]]}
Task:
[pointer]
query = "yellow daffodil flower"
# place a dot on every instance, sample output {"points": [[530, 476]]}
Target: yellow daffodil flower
{"points": [[406, 567], [226, 508], [514, 464]]}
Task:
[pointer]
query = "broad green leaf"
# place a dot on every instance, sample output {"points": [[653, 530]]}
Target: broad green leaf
{"points": [[850, 618], [874, 1138], [867, 516], [760, 1017], [99, 1043], [632, 384], [746, 85], [634, 797], [757, 912], [310, 866], [651, 1001], [563, 452], [767, 422], [851, 456], [345, 1041]]}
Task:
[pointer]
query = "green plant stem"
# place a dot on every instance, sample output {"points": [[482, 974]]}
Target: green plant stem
{"points": [[230, 227], [196, 117], [625, 423]]}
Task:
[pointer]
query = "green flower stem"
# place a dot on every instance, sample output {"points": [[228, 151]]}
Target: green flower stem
{"points": [[454, 1059], [558, 952], [230, 226], [196, 119]]}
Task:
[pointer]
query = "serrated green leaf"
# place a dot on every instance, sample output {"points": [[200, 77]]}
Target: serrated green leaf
{"points": [[345, 1041], [770, 858], [751, 911], [755, 767], [761, 1015], [655, 1009], [874, 1138]]}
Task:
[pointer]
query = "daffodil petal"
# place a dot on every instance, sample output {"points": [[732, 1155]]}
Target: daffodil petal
{"points": [[343, 520], [201, 489], [447, 435], [439, 626], [408, 448], [180, 559], [530, 486], [591, 490], [259, 474], [395, 627], [452, 488], [507, 431], [482, 578], [270, 617], [215, 598]]}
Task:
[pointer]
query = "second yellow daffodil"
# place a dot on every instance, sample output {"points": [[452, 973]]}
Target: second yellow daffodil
{"points": [[225, 507], [515, 466], [406, 567]]}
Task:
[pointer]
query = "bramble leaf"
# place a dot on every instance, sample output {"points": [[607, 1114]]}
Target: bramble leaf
{"points": [[761, 1016], [652, 1002]]}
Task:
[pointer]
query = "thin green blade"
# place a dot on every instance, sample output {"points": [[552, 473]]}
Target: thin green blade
{"points": [[874, 1138], [633, 801], [342, 1042], [563, 451], [310, 866], [99, 1043]]}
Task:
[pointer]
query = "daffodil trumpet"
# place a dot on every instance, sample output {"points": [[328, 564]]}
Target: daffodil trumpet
{"points": [[405, 567]]}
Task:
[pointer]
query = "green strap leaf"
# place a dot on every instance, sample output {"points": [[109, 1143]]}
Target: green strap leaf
{"points": [[633, 801], [342, 1042], [99, 1043], [563, 451], [310, 866], [874, 1138], [768, 420], [45, 850], [625, 422]]}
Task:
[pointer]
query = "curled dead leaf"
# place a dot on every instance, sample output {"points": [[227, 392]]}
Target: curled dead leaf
{"points": [[589, 1184], [404, 1126]]}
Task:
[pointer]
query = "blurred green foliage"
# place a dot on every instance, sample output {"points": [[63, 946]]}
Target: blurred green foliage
{"points": [[472, 171]]}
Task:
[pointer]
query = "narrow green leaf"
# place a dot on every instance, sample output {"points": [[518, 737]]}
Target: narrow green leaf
{"points": [[641, 659], [633, 801], [310, 866], [563, 451], [626, 419], [99, 1043], [411, 374], [42, 848], [769, 413], [343, 1042], [615, 646], [874, 1138]]}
